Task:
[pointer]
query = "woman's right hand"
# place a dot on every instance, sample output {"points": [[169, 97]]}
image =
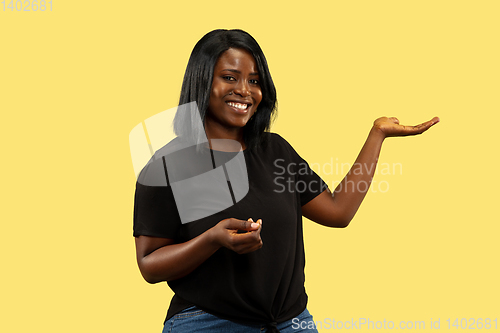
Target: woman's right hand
{"points": [[225, 233], [161, 259]]}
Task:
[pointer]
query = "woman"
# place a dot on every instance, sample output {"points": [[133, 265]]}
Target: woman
{"points": [[229, 273]]}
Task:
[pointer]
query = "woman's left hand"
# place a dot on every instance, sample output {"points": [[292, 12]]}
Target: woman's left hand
{"points": [[391, 127]]}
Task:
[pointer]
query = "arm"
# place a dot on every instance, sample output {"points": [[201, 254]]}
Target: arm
{"points": [[338, 209], [159, 259]]}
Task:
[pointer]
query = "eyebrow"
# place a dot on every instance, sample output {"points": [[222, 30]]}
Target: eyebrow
{"points": [[237, 71]]}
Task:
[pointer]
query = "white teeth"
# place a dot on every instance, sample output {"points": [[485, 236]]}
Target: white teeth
{"points": [[238, 105]]}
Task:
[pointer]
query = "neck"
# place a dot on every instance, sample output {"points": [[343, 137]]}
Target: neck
{"points": [[219, 132]]}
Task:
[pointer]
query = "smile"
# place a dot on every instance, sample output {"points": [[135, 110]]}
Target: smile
{"points": [[240, 106]]}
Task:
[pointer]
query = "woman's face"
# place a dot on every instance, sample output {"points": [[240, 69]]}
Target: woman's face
{"points": [[235, 93]]}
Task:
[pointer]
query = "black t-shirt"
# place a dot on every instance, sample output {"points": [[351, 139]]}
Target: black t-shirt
{"points": [[266, 285]]}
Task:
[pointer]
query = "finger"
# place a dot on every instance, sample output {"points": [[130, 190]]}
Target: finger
{"points": [[255, 231], [244, 242], [429, 123], [259, 221], [247, 225], [240, 224], [394, 120], [244, 239], [418, 129], [425, 126], [259, 229], [250, 247], [249, 220], [256, 247]]}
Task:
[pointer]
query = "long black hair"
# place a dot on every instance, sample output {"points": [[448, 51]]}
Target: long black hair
{"points": [[197, 85]]}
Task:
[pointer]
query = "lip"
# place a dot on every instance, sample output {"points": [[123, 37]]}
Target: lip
{"points": [[240, 111]]}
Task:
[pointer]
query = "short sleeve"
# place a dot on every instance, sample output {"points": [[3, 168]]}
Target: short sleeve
{"points": [[312, 184], [307, 182], [155, 212]]}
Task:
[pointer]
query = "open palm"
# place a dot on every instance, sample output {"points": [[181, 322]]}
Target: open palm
{"points": [[392, 127]]}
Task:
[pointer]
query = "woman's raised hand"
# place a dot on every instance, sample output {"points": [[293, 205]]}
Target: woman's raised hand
{"points": [[226, 234], [391, 127]]}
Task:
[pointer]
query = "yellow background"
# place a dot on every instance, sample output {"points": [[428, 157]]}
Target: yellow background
{"points": [[75, 81]]}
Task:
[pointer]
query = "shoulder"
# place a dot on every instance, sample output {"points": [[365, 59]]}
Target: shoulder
{"points": [[275, 146], [275, 139], [277, 142], [154, 173], [172, 147]]}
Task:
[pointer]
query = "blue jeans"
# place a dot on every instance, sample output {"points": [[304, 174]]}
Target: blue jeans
{"points": [[194, 320]]}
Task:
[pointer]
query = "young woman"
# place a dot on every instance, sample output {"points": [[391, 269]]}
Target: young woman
{"points": [[229, 273]]}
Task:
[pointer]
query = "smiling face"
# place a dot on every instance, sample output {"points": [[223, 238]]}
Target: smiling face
{"points": [[235, 95]]}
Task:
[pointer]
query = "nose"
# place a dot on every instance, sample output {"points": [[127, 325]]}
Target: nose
{"points": [[242, 88]]}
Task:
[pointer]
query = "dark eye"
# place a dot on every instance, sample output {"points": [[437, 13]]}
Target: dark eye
{"points": [[254, 81], [228, 78]]}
